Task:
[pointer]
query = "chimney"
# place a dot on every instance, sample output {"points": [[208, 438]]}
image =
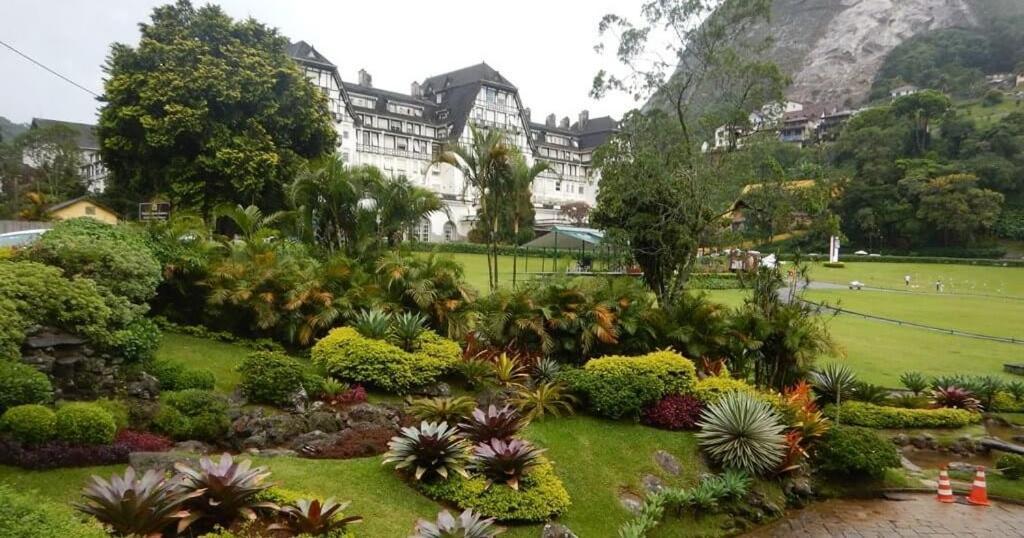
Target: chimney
{"points": [[564, 124], [584, 116], [550, 120], [526, 111], [365, 79], [414, 89]]}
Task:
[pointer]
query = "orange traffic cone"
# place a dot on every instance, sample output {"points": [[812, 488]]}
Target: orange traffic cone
{"points": [[979, 493], [945, 488]]}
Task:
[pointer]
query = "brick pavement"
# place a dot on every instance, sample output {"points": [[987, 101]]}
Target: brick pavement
{"points": [[920, 515]]}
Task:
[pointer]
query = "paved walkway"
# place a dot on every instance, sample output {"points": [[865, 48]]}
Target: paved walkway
{"points": [[920, 515]]}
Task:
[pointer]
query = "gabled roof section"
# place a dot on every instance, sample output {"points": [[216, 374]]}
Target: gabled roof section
{"points": [[304, 52], [87, 198], [473, 74], [85, 133], [459, 88]]}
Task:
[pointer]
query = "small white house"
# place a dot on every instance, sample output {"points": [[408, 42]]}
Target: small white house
{"points": [[903, 91]]}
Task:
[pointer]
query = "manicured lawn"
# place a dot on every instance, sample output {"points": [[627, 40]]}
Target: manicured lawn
{"points": [[955, 278], [476, 268], [221, 358], [595, 459]]}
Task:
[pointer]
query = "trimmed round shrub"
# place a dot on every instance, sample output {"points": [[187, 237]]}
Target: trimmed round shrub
{"points": [[853, 451], [710, 389], [674, 412], [83, 423], [175, 376], [879, 416], [22, 384], [118, 409], [31, 423], [172, 422], [273, 378], [115, 257], [1011, 465], [192, 414], [194, 402], [617, 386], [347, 355], [540, 497]]}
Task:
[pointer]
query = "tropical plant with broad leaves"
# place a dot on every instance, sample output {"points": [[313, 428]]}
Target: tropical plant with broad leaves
{"points": [[493, 423], [468, 524], [833, 382], [134, 505], [406, 328], [445, 409], [373, 323], [956, 398], [312, 518], [434, 286], [433, 448], [546, 369], [540, 400], [505, 462], [229, 489], [742, 432]]}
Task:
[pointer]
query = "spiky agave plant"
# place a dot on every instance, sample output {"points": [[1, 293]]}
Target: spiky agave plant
{"points": [[493, 423], [431, 449], [467, 525], [741, 432], [956, 398], [505, 462], [406, 328], [373, 323], [229, 489], [451, 409], [312, 518], [833, 382], [550, 398], [138, 505]]}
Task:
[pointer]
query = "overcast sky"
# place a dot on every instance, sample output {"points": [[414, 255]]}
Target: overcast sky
{"points": [[545, 47]]}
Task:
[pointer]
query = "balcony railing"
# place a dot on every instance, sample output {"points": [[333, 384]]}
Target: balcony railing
{"points": [[392, 152]]}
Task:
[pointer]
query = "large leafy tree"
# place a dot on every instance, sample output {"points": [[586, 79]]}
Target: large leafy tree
{"points": [[207, 110], [956, 206], [657, 189]]}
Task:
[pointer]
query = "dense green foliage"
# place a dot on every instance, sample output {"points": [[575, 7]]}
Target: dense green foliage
{"points": [[22, 384], [35, 294], [85, 424], [349, 356], [855, 452], [25, 515], [876, 416], [159, 136], [29, 423], [117, 258], [192, 414], [540, 496], [617, 386], [176, 376], [1011, 465], [710, 389], [274, 378]]}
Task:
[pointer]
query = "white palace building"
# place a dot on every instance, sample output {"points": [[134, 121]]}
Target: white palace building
{"points": [[402, 133]]}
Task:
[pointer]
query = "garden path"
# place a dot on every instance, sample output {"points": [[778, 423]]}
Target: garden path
{"points": [[918, 515]]}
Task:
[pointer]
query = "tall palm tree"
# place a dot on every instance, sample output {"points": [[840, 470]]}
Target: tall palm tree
{"points": [[520, 180], [484, 164], [250, 221], [329, 199]]}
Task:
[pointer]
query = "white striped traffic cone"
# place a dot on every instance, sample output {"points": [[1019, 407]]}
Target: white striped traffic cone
{"points": [[945, 488]]}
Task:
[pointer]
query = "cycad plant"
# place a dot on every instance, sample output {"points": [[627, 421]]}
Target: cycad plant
{"points": [[373, 323], [445, 409], [742, 432], [915, 382], [406, 328], [494, 423], [467, 525], [432, 449], [229, 489], [314, 518], [133, 505]]}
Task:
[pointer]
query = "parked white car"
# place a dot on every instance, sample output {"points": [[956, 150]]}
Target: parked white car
{"points": [[856, 285], [861, 253], [21, 238]]}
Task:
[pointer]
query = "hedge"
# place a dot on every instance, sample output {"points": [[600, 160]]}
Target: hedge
{"points": [[714, 281], [710, 389], [541, 495], [615, 386], [853, 451], [30, 423], [877, 416], [350, 356], [274, 378]]}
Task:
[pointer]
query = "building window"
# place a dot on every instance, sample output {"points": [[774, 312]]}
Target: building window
{"points": [[422, 232], [558, 186], [90, 210], [449, 231], [581, 189], [344, 134]]}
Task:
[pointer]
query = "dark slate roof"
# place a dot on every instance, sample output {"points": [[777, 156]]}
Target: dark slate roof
{"points": [[385, 96], [304, 52], [85, 134], [593, 133], [460, 89]]}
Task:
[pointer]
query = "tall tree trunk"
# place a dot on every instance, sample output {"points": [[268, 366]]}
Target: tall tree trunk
{"points": [[515, 249]]}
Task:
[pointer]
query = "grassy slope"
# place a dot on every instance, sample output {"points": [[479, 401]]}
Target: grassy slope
{"points": [[219, 357], [955, 278]]}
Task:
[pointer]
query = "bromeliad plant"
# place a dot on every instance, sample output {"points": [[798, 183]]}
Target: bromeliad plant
{"points": [[229, 489], [550, 398], [138, 506], [312, 518], [505, 462], [742, 432], [449, 410], [467, 525], [431, 449], [956, 398], [494, 423]]}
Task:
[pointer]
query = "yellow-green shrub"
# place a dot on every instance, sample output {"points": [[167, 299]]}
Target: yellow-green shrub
{"points": [[83, 423], [30, 423], [710, 389], [878, 416], [540, 497], [350, 356], [616, 386]]}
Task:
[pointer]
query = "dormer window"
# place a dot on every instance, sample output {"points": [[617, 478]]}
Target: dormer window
{"points": [[439, 97]]}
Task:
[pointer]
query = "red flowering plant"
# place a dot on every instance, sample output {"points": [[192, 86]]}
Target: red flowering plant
{"points": [[674, 412]]}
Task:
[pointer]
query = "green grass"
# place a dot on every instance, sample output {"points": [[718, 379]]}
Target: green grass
{"points": [[221, 358], [1005, 281], [986, 116], [475, 266]]}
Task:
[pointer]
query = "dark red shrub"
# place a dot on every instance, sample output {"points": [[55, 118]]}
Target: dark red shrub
{"points": [[351, 396], [57, 454], [143, 441], [356, 443], [674, 412]]}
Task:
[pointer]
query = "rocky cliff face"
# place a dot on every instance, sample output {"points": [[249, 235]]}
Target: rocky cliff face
{"points": [[833, 48]]}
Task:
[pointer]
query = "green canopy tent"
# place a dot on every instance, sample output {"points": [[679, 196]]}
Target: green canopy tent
{"points": [[568, 238]]}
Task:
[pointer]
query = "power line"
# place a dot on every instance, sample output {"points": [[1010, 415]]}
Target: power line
{"points": [[62, 77]]}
